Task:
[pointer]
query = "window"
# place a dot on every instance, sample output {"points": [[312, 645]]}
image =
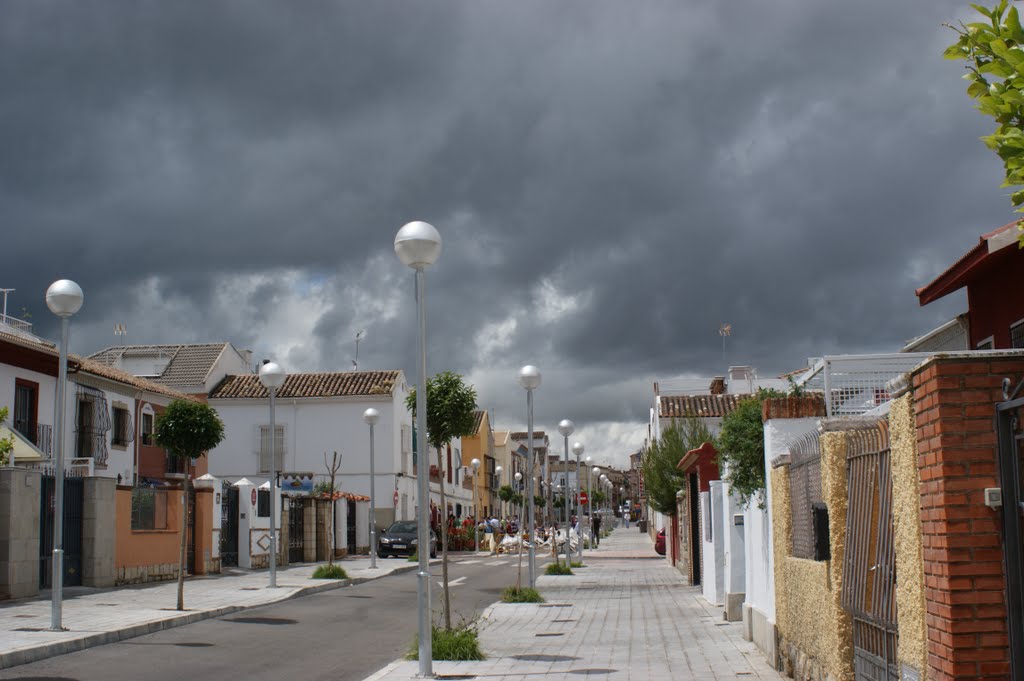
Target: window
{"points": [[1017, 334], [263, 503], [122, 427], [26, 408], [265, 448], [147, 429], [149, 509], [819, 523], [92, 421]]}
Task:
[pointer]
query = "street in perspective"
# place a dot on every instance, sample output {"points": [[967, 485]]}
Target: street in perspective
{"points": [[381, 341]]}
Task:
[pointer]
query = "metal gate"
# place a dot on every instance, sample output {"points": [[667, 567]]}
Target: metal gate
{"points": [[296, 530], [1010, 427], [73, 497], [869, 564], [350, 523], [229, 525]]}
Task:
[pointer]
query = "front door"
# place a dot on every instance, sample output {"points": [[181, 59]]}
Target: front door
{"points": [[229, 525], [296, 531], [72, 531], [350, 522], [1011, 473]]}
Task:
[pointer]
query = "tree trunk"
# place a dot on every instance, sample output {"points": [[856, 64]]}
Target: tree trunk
{"points": [[183, 533], [444, 546]]}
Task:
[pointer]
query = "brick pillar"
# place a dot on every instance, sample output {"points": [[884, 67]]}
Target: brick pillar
{"points": [[954, 406], [204, 532]]}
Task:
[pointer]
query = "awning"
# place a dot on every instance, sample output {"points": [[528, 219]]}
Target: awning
{"points": [[23, 449]]}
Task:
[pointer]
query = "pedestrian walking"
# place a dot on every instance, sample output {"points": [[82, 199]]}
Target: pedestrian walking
{"points": [[595, 526]]}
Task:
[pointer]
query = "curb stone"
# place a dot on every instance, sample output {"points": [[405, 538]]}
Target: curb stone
{"points": [[36, 653]]}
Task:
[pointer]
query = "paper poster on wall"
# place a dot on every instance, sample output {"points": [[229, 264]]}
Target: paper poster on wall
{"points": [[296, 484]]}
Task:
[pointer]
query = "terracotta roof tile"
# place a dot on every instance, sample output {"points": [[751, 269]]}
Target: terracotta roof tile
{"points": [[537, 435], [189, 365], [678, 406], [323, 384], [478, 421]]}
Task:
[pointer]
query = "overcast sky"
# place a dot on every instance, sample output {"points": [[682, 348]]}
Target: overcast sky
{"points": [[612, 180]]}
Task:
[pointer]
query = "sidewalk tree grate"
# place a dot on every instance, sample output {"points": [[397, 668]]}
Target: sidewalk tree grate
{"points": [[544, 658], [261, 620]]}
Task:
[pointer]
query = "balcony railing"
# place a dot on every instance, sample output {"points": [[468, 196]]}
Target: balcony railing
{"points": [[16, 324], [856, 384]]}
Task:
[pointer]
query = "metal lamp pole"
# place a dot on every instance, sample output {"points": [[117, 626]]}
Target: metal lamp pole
{"points": [[64, 298], [475, 463], [370, 417], [418, 246], [577, 449], [566, 428], [519, 485], [529, 378], [498, 470], [272, 377]]}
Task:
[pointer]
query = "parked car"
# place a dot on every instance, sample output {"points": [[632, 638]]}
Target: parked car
{"points": [[659, 543], [400, 540]]}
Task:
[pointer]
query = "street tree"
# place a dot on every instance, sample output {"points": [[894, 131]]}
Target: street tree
{"points": [[661, 477], [994, 52], [187, 430], [451, 411], [6, 443], [741, 448]]}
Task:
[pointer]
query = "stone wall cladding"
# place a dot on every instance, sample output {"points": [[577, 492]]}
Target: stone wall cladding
{"points": [[147, 573], [806, 406], [906, 507], [815, 631], [954, 401]]}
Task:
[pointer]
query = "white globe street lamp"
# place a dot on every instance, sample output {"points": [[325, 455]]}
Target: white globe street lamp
{"points": [[418, 245], [370, 418], [64, 298], [272, 377], [501, 504], [529, 379], [519, 485], [566, 428], [577, 449]]}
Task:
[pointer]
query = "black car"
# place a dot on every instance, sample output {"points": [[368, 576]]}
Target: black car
{"points": [[400, 540]]}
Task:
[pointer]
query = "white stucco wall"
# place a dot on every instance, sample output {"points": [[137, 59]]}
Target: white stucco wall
{"points": [[713, 574], [732, 538]]}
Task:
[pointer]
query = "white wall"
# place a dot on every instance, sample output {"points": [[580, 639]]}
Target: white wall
{"points": [[47, 392], [732, 536], [713, 574]]}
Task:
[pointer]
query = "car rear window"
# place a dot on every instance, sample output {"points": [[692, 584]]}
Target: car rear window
{"points": [[402, 528]]}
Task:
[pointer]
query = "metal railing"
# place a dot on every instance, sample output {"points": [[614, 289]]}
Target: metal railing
{"points": [[856, 384], [16, 324], [75, 468]]}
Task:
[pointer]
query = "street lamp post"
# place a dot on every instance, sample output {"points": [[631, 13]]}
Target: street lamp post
{"points": [[501, 504], [272, 377], [418, 246], [370, 417], [529, 378], [566, 428], [519, 483], [577, 449], [64, 298], [475, 463]]}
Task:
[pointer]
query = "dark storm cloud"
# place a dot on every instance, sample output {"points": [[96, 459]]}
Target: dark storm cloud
{"points": [[612, 181]]}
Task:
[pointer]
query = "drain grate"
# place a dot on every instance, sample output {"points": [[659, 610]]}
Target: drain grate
{"points": [[261, 620], [550, 634], [593, 671], [555, 605], [193, 644], [249, 588], [31, 629], [357, 596], [562, 621], [26, 616], [454, 676]]}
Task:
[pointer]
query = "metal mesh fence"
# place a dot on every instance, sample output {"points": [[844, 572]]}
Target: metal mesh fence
{"points": [[805, 491], [856, 384]]}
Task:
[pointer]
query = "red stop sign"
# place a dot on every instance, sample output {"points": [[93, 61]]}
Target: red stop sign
{"points": [[583, 498]]}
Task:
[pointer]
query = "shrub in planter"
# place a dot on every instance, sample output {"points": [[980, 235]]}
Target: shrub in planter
{"points": [[558, 569], [330, 572], [515, 594], [460, 643]]}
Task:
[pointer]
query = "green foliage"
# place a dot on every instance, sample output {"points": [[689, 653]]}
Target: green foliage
{"points": [[515, 594], [741, 447], [598, 497], [460, 643], [451, 408], [661, 477], [517, 499], [994, 50], [330, 572], [578, 564], [559, 503], [557, 569], [506, 493], [538, 500], [187, 430], [414, 558], [6, 443], [324, 489]]}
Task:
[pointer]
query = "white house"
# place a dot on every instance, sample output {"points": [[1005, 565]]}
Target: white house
{"points": [[192, 368]]}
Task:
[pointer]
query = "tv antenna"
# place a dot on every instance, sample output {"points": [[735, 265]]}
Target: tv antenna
{"points": [[724, 331], [360, 335], [121, 331]]}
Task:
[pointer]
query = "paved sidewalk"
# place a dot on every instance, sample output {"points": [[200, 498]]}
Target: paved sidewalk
{"points": [[94, 617], [625, 616]]}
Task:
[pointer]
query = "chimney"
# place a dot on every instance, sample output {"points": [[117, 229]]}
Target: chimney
{"points": [[718, 385], [742, 373]]}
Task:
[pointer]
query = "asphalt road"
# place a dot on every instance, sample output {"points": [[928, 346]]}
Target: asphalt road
{"points": [[343, 634]]}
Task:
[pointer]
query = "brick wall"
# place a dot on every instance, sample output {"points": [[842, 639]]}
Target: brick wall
{"points": [[954, 402]]}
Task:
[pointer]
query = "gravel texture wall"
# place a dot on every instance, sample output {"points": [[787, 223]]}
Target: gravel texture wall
{"points": [[906, 507]]}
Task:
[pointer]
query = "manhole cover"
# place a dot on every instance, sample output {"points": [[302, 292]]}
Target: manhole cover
{"points": [[550, 634], [593, 671], [194, 644], [261, 620], [544, 658]]}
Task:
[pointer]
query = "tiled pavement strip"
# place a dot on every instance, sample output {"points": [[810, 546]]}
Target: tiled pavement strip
{"points": [[625, 616], [94, 617]]}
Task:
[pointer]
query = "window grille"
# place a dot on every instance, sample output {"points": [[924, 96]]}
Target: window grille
{"points": [[124, 433], [1017, 335], [147, 430], [92, 420], [149, 509], [805, 496], [265, 448]]}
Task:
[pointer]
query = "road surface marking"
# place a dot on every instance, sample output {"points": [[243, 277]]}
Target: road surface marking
{"points": [[453, 582]]}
